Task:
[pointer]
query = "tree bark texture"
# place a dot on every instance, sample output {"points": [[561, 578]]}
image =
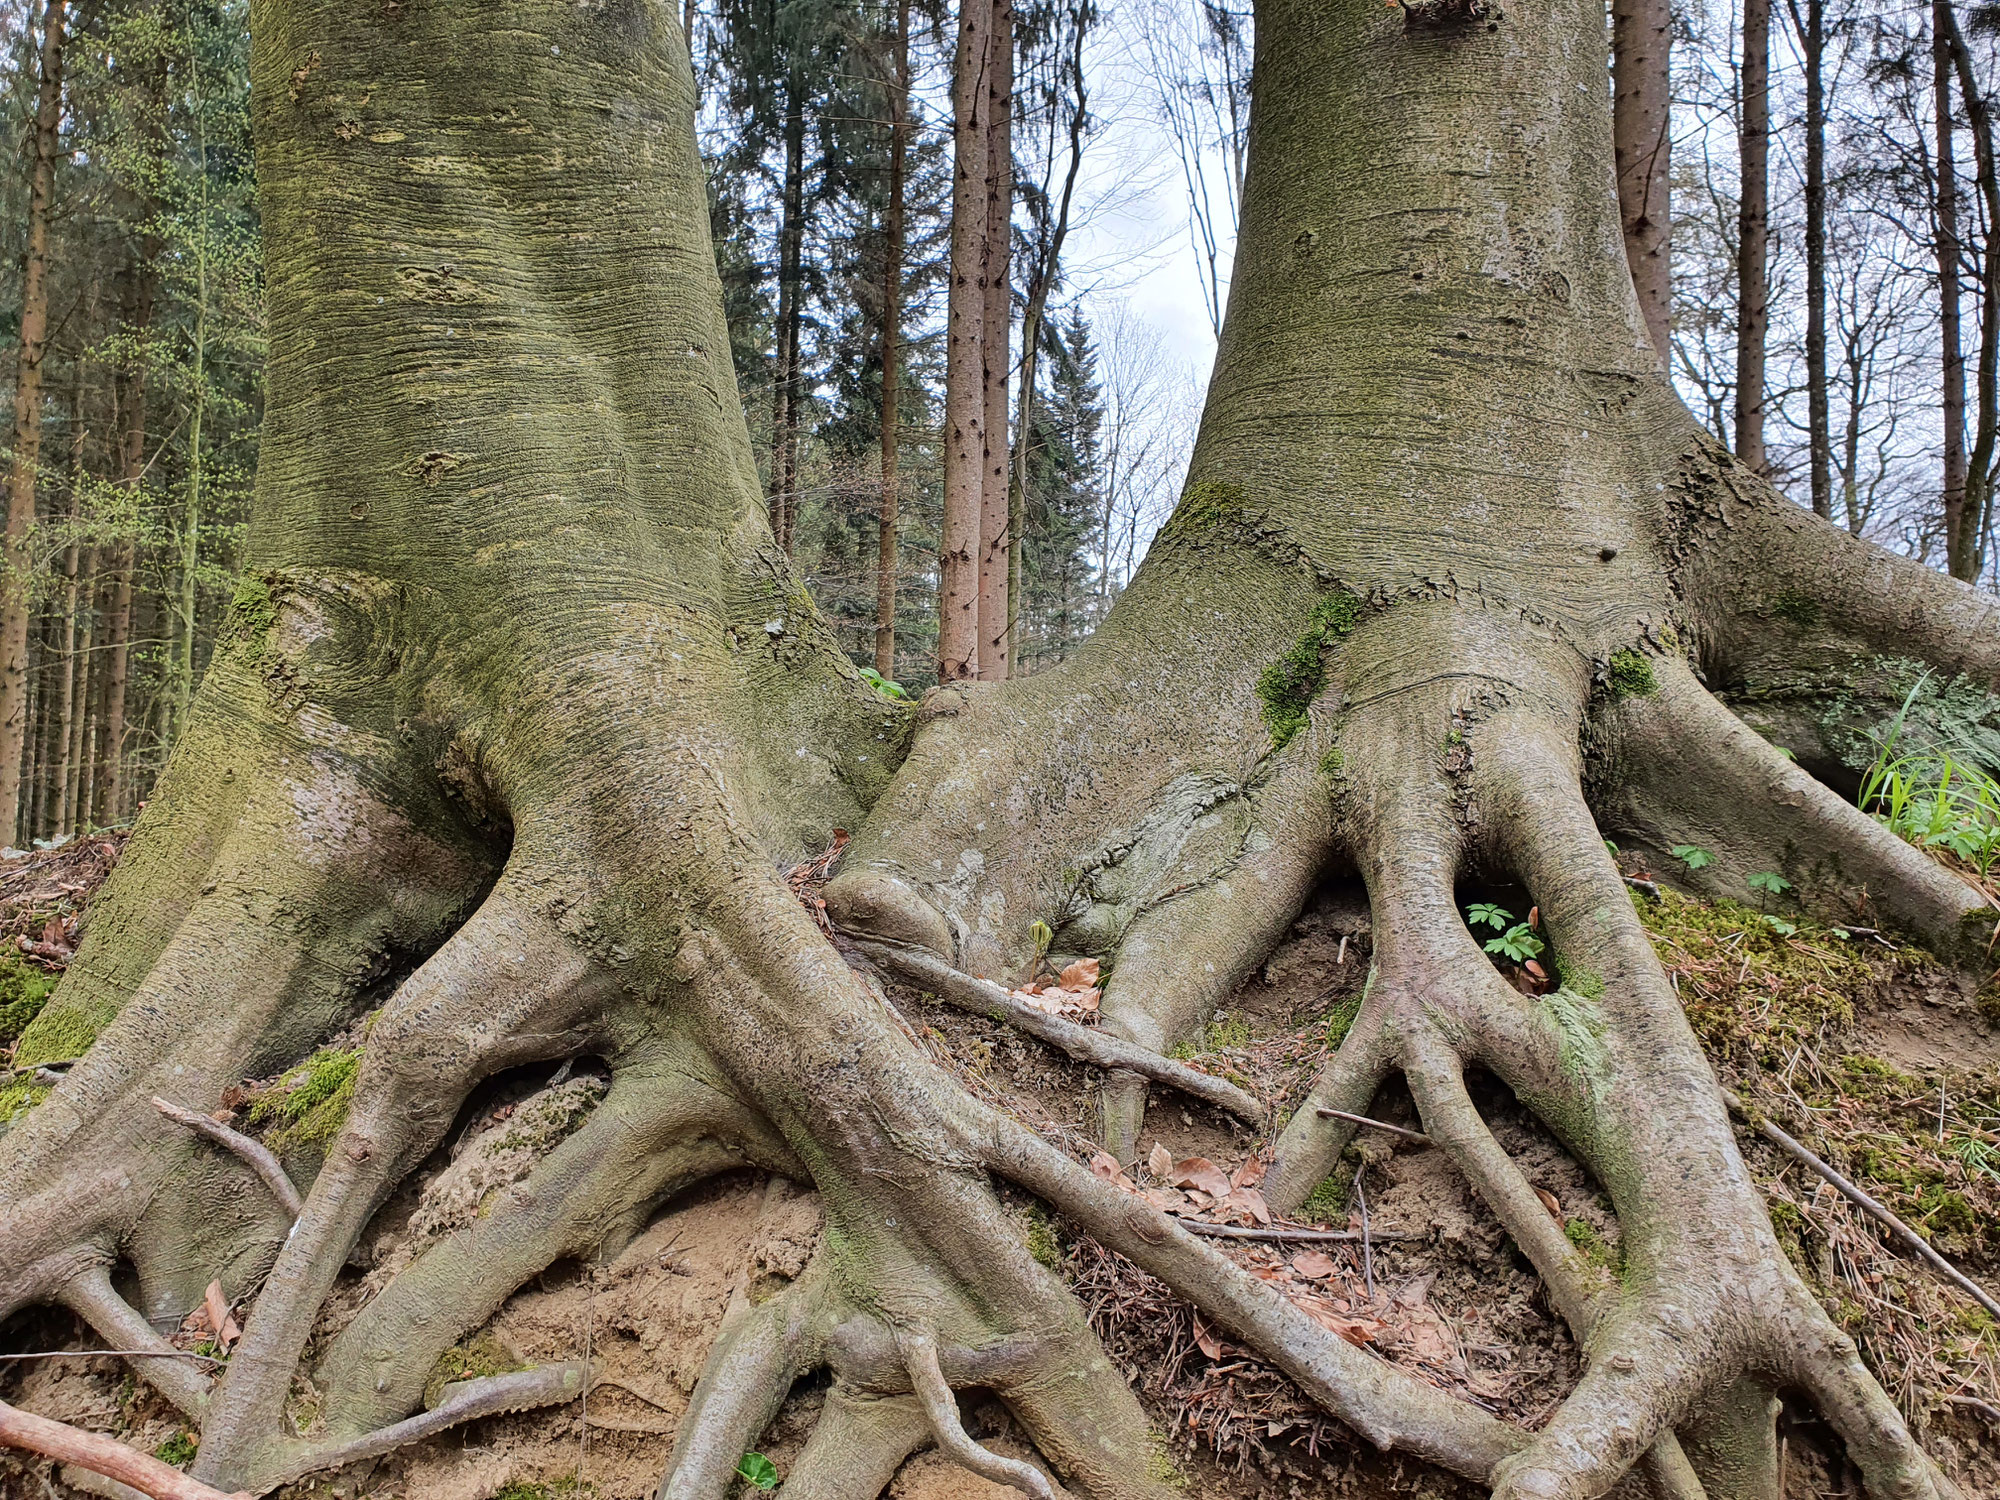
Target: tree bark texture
{"points": [[893, 233], [1819, 425], [785, 391], [996, 522], [961, 542], [1641, 83], [525, 711], [1753, 222]]}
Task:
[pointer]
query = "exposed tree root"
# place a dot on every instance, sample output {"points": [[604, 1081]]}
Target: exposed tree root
{"points": [[1079, 1043], [102, 1455], [253, 1153]]}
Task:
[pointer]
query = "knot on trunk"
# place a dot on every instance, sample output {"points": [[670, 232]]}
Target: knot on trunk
{"points": [[1447, 15]]}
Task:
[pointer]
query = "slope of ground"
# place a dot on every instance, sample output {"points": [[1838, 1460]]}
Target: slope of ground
{"points": [[1873, 1055]]}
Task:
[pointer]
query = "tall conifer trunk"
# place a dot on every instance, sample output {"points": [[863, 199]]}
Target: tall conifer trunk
{"points": [[965, 446], [1753, 278], [27, 433], [893, 234], [1819, 424], [996, 525]]}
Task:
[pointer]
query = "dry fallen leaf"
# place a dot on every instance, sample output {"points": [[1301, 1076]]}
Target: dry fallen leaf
{"points": [[1551, 1202], [1250, 1173], [1314, 1265], [1107, 1166], [1081, 975], [1160, 1162], [1250, 1201], [1200, 1172], [220, 1322], [1206, 1341]]}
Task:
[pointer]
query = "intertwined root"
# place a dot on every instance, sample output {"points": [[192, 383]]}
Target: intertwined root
{"points": [[735, 1036]]}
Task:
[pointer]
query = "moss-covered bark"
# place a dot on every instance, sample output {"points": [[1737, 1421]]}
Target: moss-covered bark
{"points": [[526, 713]]}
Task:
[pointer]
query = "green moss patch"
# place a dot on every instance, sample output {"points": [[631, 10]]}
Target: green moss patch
{"points": [[252, 613], [56, 1034], [17, 1098], [308, 1105], [178, 1450], [1205, 505], [1288, 686], [479, 1356], [24, 990], [1632, 675]]}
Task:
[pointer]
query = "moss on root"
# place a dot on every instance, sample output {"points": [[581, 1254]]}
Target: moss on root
{"points": [[24, 990], [1632, 675], [1041, 1240], [479, 1356], [309, 1104], [1288, 686], [57, 1034]]}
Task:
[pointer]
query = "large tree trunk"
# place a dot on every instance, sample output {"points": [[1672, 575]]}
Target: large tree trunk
{"points": [[996, 523], [791, 317], [524, 709], [1753, 222], [1641, 82], [892, 346], [959, 547], [15, 606], [1819, 426]]}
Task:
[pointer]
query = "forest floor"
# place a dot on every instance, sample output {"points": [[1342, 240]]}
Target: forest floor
{"points": [[1875, 1056]]}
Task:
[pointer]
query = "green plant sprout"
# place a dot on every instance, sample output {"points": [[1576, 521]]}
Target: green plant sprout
{"points": [[1693, 856], [1485, 913], [1517, 942], [757, 1470]]}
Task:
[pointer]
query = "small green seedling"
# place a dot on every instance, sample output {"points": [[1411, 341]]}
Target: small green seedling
{"points": [[1610, 848], [1769, 882], [1780, 926], [755, 1469], [1486, 914], [1693, 856], [1517, 942], [884, 686]]}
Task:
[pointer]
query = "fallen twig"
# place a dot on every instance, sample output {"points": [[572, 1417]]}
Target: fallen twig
{"points": [[1649, 887], [981, 997], [1785, 1143], [255, 1156], [1406, 1134], [1280, 1233], [102, 1455]]}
